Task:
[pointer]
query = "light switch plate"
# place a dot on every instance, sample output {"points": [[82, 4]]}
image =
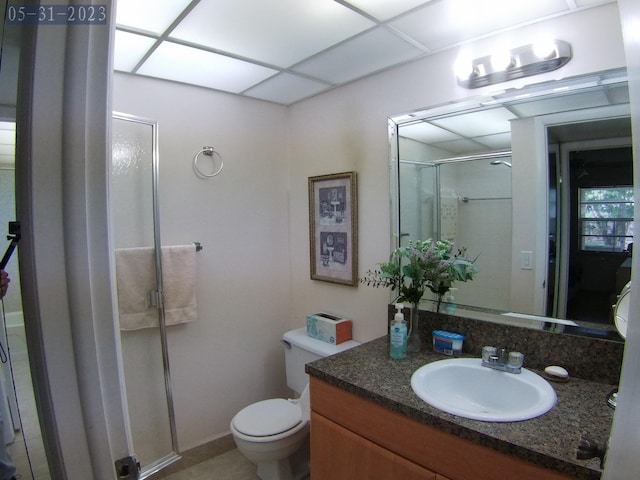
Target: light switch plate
{"points": [[526, 260]]}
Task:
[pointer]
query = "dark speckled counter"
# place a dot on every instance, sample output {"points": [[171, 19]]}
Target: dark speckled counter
{"points": [[549, 440]]}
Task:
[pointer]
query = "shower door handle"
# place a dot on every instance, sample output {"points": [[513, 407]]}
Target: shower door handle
{"points": [[155, 297]]}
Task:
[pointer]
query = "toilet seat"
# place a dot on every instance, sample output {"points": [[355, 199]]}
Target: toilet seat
{"points": [[268, 418]]}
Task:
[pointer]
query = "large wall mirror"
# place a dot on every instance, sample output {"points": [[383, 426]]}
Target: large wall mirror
{"points": [[537, 183]]}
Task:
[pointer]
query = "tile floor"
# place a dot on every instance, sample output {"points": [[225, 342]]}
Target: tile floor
{"points": [[35, 461], [230, 465], [226, 465]]}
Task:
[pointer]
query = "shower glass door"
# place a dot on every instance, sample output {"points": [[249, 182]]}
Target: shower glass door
{"points": [[134, 209]]}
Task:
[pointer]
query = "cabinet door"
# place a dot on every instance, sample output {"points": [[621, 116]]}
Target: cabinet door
{"points": [[339, 454], [418, 443]]}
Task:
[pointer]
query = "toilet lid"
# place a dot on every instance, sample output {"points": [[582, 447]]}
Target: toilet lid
{"points": [[268, 417]]}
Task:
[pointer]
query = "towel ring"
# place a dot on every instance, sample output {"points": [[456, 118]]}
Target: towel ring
{"points": [[209, 152]]}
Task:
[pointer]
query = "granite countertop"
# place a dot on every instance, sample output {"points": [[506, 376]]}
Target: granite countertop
{"points": [[549, 440]]}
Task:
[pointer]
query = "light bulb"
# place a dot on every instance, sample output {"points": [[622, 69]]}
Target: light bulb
{"points": [[544, 48], [463, 68], [500, 61]]}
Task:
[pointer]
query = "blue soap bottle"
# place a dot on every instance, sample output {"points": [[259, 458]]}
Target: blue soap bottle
{"points": [[398, 335]]}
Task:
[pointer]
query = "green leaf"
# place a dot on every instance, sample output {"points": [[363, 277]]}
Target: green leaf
{"points": [[422, 265]]}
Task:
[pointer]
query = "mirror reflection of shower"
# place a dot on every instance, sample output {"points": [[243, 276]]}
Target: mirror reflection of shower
{"points": [[468, 201]]}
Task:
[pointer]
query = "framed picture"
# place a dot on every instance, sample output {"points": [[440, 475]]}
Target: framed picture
{"points": [[333, 228]]}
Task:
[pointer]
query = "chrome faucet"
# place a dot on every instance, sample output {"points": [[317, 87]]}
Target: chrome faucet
{"points": [[510, 362]]}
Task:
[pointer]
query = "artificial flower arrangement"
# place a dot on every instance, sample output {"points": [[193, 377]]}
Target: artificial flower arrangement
{"points": [[421, 265]]}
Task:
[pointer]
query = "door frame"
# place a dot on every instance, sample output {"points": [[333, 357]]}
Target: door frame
{"points": [[562, 246], [66, 267]]}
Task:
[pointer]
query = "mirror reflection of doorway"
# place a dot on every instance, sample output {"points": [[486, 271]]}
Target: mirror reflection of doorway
{"points": [[591, 217]]}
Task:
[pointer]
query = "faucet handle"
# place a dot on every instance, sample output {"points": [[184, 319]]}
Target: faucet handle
{"points": [[488, 352], [515, 360], [588, 448]]}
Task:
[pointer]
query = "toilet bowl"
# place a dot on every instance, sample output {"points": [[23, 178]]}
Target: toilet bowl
{"points": [[274, 433]]}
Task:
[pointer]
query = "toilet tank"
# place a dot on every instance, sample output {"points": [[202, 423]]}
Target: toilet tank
{"points": [[301, 349]]}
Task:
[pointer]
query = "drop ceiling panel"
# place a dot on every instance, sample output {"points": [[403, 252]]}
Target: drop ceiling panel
{"points": [[328, 41], [198, 67], [129, 50], [426, 133], [280, 33], [459, 147], [496, 125], [372, 51], [500, 141], [286, 88], [442, 24], [561, 103], [587, 3], [477, 124], [149, 15], [385, 9]]}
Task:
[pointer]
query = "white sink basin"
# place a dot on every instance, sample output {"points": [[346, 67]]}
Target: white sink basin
{"points": [[462, 386]]}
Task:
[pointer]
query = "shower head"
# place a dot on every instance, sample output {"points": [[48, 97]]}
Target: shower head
{"points": [[501, 162]]}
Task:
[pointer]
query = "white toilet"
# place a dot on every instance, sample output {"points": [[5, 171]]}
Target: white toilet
{"points": [[274, 433]]}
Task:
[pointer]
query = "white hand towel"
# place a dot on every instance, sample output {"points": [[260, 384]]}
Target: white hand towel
{"points": [[136, 278], [179, 283]]}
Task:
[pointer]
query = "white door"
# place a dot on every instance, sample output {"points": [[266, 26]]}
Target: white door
{"points": [[63, 123]]}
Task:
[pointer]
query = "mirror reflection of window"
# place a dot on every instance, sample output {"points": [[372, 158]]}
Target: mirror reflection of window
{"points": [[606, 219]]}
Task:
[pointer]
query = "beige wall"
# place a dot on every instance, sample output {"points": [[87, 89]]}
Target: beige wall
{"points": [[232, 355], [253, 219], [346, 129]]}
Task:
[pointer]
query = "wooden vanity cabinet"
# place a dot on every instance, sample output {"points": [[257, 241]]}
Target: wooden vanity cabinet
{"points": [[338, 453], [353, 438]]}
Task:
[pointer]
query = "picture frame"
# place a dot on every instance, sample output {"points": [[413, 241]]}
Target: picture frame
{"points": [[333, 228]]}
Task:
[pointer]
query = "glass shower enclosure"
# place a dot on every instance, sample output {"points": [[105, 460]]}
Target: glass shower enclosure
{"points": [[135, 226], [466, 201]]}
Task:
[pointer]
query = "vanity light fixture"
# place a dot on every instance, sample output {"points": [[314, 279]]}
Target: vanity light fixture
{"points": [[517, 63]]}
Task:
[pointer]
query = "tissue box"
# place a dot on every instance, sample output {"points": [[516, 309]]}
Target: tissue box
{"points": [[328, 328]]}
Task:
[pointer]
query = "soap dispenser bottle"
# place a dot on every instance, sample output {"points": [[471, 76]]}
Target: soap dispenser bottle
{"points": [[398, 335]]}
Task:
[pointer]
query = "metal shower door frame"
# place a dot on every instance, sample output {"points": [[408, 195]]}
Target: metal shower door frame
{"points": [[159, 297]]}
